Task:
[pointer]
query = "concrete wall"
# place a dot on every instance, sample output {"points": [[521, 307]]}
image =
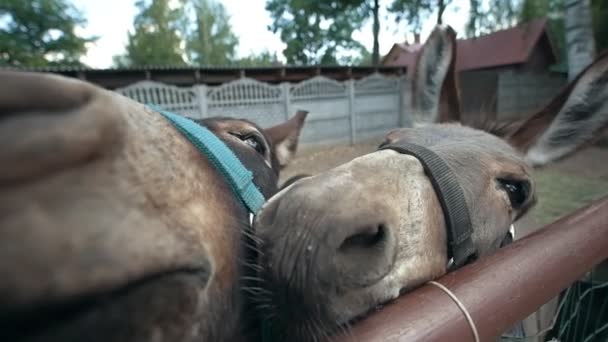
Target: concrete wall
{"points": [[349, 111], [339, 112]]}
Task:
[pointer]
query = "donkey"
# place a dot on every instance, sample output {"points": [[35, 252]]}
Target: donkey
{"points": [[293, 179], [114, 226], [336, 245]]}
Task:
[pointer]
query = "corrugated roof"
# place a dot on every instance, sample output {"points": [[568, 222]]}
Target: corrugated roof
{"points": [[402, 55], [504, 47], [410, 47], [191, 68], [132, 68], [187, 76]]}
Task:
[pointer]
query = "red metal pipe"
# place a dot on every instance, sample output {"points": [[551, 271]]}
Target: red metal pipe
{"points": [[498, 290]]}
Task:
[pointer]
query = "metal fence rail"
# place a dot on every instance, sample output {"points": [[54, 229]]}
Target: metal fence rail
{"points": [[500, 290]]}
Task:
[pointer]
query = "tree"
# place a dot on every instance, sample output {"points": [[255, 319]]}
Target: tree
{"points": [[156, 40], [599, 9], [591, 24], [441, 5], [38, 33], [579, 36], [264, 59], [364, 57], [212, 41], [553, 10], [376, 32], [316, 31], [121, 61], [492, 15], [414, 12]]}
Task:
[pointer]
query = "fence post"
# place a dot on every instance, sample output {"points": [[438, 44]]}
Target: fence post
{"points": [[351, 111], [401, 105], [201, 97], [286, 99]]}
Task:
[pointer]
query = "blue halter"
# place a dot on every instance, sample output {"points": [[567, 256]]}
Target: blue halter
{"points": [[240, 179]]}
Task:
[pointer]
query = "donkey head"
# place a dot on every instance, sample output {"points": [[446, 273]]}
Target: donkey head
{"points": [[340, 243], [114, 226]]}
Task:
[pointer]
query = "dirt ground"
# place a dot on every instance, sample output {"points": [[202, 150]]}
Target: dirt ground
{"points": [[317, 159], [562, 187]]}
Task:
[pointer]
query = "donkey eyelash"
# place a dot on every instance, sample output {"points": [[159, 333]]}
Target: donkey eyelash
{"points": [[518, 191], [252, 135]]}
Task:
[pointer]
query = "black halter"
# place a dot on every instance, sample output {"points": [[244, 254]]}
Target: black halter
{"points": [[451, 197]]}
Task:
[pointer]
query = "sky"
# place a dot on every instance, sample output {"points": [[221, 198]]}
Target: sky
{"points": [[112, 19]]}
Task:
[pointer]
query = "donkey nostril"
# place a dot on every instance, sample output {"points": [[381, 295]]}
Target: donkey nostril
{"points": [[368, 237], [364, 256]]}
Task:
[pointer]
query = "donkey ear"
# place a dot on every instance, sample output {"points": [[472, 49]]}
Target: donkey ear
{"points": [[435, 91], [574, 118], [285, 137]]}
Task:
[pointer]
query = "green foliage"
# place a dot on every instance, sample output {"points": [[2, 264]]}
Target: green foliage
{"points": [[599, 10], [211, 41], [492, 15], [415, 12], [264, 59], [38, 33], [563, 193], [533, 9], [194, 31], [121, 61], [156, 40], [364, 58], [316, 31], [499, 14], [553, 10]]}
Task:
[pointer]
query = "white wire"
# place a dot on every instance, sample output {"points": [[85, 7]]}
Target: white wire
{"points": [[461, 306], [578, 304], [604, 327], [559, 308]]}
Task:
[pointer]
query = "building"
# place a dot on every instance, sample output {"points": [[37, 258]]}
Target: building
{"points": [[496, 70], [523, 47]]}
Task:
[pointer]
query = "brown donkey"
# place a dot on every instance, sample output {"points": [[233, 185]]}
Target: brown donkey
{"points": [[338, 244], [114, 227]]}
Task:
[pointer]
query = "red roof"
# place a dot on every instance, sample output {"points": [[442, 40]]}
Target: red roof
{"points": [[402, 54], [505, 47]]}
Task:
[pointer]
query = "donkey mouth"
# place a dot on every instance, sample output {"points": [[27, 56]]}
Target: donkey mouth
{"points": [[103, 316]]}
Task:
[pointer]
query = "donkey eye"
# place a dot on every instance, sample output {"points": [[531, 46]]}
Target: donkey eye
{"points": [[252, 140], [255, 142], [517, 190]]}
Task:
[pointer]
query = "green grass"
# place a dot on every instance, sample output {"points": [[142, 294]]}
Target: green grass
{"points": [[559, 194]]}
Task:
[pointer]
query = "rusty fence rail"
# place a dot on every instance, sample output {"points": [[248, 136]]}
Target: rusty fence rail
{"points": [[498, 291]]}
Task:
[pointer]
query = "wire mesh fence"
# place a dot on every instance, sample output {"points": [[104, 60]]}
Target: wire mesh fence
{"points": [[581, 315]]}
